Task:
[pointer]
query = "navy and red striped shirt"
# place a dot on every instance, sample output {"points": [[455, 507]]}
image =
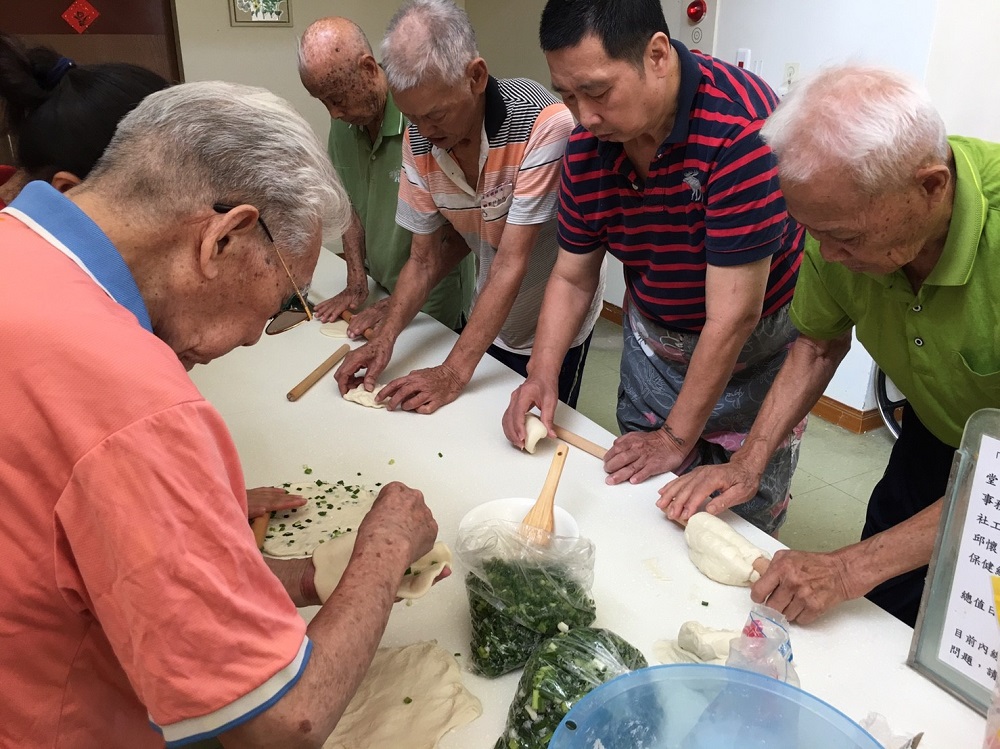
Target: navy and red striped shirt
{"points": [[711, 197]]}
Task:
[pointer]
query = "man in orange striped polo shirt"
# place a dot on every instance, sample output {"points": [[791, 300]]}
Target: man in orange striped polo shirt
{"points": [[483, 155]]}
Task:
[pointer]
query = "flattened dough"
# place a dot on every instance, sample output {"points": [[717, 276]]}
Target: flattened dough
{"points": [[364, 398], [410, 697], [534, 431], [720, 552], [335, 329], [333, 510], [330, 561]]}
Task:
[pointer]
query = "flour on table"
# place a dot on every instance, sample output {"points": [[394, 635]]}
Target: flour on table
{"points": [[720, 552], [333, 510], [335, 329], [410, 697], [330, 561], [534, 430], [364, 398]]}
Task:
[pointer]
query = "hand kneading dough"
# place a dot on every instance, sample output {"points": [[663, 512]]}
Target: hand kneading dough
{"points": [[330, 561], [364, 398], [720, 552], [335, 329], [696, 643], [534, 430], [410, 697]]}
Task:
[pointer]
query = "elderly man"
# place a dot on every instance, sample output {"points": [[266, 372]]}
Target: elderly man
{"points": [[136, 608], [667, 172], [903, 249], [336, 66], [482, 155]]}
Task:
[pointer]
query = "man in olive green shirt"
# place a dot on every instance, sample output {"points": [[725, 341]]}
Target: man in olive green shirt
{"points": [[905, 250], [337, 67]]}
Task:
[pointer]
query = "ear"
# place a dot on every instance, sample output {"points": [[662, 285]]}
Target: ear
{"points": [[220, 237], [934, 181], [64, 181], [367, 64], [659, 53], [479, 75]]}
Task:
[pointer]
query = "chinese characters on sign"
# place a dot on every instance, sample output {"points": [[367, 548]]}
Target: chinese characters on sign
{"points": [[970, 639], [80, 15]]}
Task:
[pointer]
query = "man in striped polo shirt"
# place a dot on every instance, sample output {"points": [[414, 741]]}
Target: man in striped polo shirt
{"points": [[482, 155], [667, 172]]}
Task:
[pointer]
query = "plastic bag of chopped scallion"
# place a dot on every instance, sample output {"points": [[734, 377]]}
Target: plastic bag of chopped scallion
{"points": [[561, 671], [521, 592]]}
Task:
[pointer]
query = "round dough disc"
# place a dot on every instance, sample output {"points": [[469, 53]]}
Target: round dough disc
{"points": [[335, 329]]}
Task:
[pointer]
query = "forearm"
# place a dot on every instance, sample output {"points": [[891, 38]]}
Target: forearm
{"points": [[807, 371], [355, 252], [297, 577], [426, 266], [564, 309], [900, 549]]}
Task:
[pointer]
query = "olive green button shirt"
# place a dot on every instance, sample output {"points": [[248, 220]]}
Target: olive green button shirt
{"points": [[370, 173], [940, 346]]}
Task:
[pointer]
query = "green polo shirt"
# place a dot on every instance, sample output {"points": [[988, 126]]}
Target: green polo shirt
{"points": [[940, 346], [370, 174]]}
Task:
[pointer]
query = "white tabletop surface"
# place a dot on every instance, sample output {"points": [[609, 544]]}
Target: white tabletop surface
{"points": [[645, 585]]}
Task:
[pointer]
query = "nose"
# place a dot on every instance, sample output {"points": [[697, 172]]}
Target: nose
{"points": [[588, 115], [335, 112], [254, 336], [833, 252]]}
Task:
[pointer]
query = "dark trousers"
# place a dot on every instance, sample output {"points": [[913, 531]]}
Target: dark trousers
{"points": [[570, 374], [916, 477]]}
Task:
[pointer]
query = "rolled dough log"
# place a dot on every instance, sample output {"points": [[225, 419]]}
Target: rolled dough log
{"points": [[335, 329], [410, 697], [720, 552], [534, 431], [330, 560], [364, 398], [696, 643]]}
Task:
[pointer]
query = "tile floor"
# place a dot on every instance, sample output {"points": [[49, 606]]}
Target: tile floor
{"points": [[836, 472]]}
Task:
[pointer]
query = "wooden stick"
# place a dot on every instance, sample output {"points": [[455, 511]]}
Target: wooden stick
{"points": [[259, 526], [346, 315], [313, 377], [579, 442]]}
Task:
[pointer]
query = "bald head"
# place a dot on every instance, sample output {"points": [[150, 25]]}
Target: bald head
{"points": [[336, 65]]}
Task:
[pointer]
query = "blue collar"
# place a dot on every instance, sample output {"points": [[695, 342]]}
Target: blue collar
{"points": [[61, 218]]}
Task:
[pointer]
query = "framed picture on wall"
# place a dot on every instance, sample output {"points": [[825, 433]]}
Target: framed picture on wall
{"points": [[260, 12]]}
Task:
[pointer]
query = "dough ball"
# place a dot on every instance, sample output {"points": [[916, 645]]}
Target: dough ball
{"points": [[534, 431], [720, 552], [335, 329], [331, 558], [696, 643], [364, 398]]}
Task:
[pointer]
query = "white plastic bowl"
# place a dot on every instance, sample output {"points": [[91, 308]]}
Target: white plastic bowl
{"points": [[514, 509]]}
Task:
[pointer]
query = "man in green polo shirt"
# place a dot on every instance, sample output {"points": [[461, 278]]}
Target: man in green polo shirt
{"points": [[337, 67], [904, 249]]}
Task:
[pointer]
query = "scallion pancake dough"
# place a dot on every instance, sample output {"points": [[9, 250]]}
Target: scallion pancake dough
{"points": [[335, 329], [363, 397], [720, 552], [333, 510], [330, 561], [696, 643], [410, 697], [534, 430]]}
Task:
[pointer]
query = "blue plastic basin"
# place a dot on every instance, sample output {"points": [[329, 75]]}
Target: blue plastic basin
{"points": [[688, 706]]}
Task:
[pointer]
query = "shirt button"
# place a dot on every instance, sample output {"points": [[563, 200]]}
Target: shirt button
{"points": [[916, 307], [919, 341], [373, 157], [635, 186]]}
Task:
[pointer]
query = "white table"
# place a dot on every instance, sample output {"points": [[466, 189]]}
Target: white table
{"points": [[645, 585]]}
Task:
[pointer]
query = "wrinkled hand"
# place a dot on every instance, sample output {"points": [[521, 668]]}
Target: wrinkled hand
{"points": [[371, 317], [399, 516], [266, 499], [804, 585], [423, 390], [684, 496], [533, 392], [349, 299], [636, 456], [373, 357]]}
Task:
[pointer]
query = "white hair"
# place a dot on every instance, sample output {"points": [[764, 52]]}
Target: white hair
{"points": [[196, 144], [427, 39], [872, 123]]}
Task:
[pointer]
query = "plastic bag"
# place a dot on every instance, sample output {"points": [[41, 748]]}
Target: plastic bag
{"points": [[764, 646], [560, 672], [522, 592]]}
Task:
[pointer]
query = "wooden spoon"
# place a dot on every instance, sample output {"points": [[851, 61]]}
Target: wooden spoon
{"points": [[540, 519]]}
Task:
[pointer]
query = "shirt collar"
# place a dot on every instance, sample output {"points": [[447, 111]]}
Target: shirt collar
{"points": [[393, 122], [496, 108], [61, 219], [968, 219]]}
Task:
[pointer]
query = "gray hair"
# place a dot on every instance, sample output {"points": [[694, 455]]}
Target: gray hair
{"points": [[873, 123], [196, 144], [427, 39]]}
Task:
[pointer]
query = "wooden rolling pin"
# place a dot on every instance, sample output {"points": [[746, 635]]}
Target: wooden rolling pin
{"points": [[259, 525], [317, 374], [579, 442], [346, 316]]}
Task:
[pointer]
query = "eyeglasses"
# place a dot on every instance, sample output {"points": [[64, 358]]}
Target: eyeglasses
{"points": [[296, 309]]}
